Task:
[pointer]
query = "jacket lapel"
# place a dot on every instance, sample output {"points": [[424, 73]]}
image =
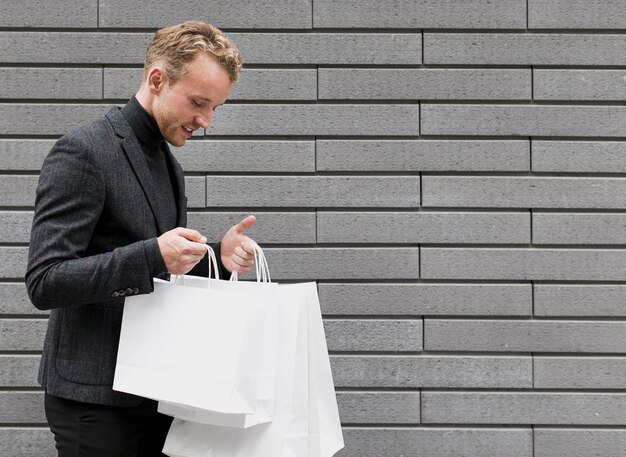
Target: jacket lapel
{"points": [[132, 149]]}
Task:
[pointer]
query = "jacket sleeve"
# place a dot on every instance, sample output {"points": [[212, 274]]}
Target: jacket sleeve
{"points": [[61, 270]]}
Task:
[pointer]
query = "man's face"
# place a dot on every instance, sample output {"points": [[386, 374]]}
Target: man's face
{"points": [[189, 104]]}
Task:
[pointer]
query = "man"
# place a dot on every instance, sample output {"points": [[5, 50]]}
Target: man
{"points": [[109, 216]]}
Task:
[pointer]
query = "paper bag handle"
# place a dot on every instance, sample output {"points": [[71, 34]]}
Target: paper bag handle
{"points": [[260, 263], [212, 259]]}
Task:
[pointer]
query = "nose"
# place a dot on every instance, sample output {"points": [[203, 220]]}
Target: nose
{"points": [[203, 120]]}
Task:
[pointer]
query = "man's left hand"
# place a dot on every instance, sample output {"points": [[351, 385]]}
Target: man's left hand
{"points": [[236, 251]]}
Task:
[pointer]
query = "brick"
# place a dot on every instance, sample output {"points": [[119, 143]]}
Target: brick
{"points": [[271, 227], [437, 442], [15, 226], [524, 264], [431, 371], [22, 408], [422, 155], [426, 299], [23, 154], [284, 14], [253, 84], [320, 264], [309, 191], [577, 442], [576, 14], [579, 300], [14, 299], [524, 120], [523, 192], [330, 48], [17, 190], [45, 119], [55, 83], [579, 228], [256, 48], [374, 335], [121, 83], [330, 263], [422, 227], [247, 156], [523, 408], [379, 407], [523, 336], [22, 334], [579, 156], [73, 47], [354, 407], [28, 441], [429, 14], [282, 120], [276, 84], [28, 334], [579, 84], [61, 13], [19, 370], [579, 372], [195, 188], [13, 262], [424, 84], [524, 49]]}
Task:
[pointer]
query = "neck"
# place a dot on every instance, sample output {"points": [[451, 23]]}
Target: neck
{"points": [[145, 99]]}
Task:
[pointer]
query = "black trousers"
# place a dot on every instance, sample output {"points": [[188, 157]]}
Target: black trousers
{"points": [[88, 430]]}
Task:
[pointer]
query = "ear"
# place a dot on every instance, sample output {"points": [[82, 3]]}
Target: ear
{"points": [[156, 79]]}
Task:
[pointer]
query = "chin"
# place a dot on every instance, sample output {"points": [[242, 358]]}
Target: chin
{"points": [[176, 142]]}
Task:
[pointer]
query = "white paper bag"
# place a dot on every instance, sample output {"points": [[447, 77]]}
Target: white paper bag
{"points": [[193, 346], [267, 360], [306, 419]]}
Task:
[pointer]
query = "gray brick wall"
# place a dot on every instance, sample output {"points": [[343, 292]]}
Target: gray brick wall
{"points": [[451, 173]]}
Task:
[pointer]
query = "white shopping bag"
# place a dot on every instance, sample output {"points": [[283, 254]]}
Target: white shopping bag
{"points": [[193, 346], [306, 419], [266, 363]]}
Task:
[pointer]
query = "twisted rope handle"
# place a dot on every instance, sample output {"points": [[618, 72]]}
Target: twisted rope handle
{"points": [[212, 259], [261, 267]]}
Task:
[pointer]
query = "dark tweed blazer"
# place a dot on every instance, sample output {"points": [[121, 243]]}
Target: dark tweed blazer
{"points": [[93, 242]]}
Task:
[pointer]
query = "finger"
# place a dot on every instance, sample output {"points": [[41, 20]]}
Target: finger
{"points": [[196, 250], [191, 235], [244, 255], [239, 268], [244, 251], [243, 261], [245, 224], [248, 246]]}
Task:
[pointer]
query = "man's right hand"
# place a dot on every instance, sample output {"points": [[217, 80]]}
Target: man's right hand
{"points": [[181, 249]]}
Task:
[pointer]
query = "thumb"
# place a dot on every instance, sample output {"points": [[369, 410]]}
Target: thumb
{"points": [[191, 235], [245, 224]]}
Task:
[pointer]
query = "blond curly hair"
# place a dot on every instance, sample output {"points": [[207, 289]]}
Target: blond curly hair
{"points": [[176, 46]]}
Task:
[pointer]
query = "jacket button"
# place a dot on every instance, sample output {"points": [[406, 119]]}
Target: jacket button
{"points": [[121, 292], [115, 294], [135, 291], [129, 291]]}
